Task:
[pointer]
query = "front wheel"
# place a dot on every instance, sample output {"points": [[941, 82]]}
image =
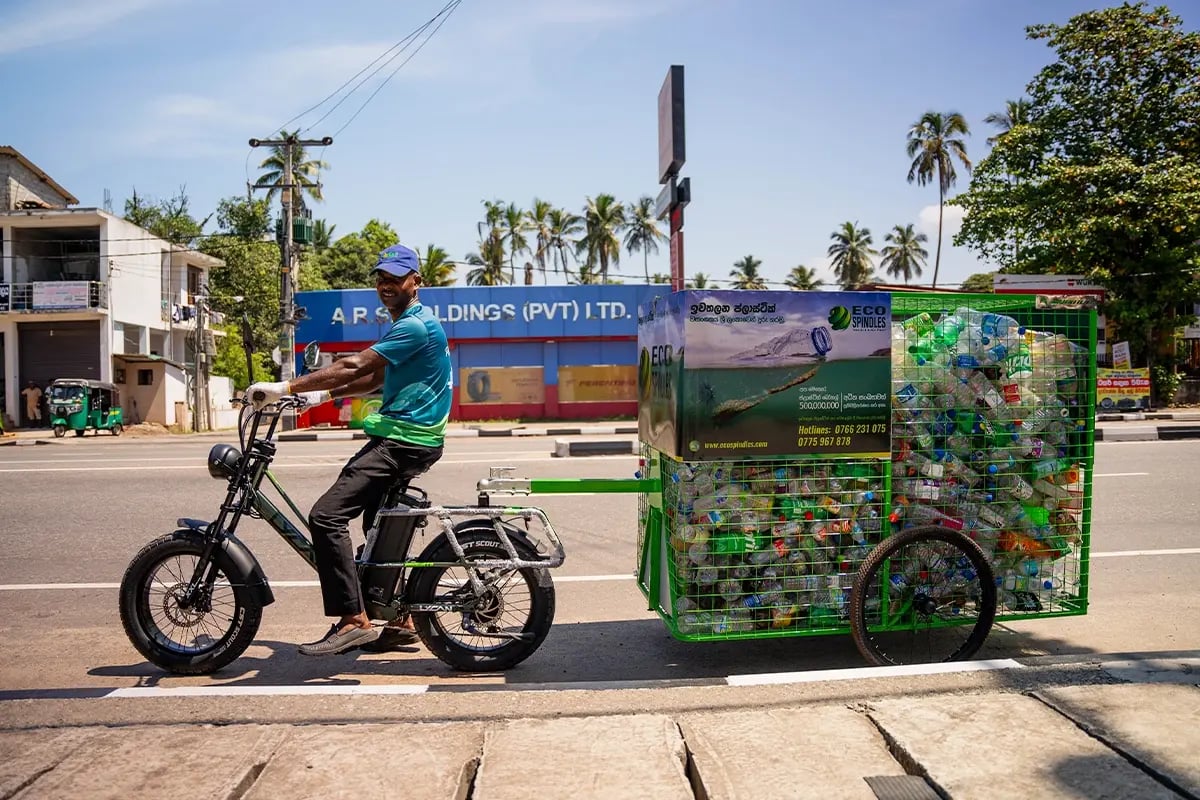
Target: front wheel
{"points": [[193, 640], [60, 431], [493, 630], [117, 428], [923, 595]]}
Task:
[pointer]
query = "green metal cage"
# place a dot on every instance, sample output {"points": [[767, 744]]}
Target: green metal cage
{"points": [[993, 429]]}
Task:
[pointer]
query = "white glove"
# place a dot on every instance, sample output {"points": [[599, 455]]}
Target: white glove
{"points": [[312, 399], [265, 393]]}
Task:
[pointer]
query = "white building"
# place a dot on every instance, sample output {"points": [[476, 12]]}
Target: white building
{"points": [[85, 294]]}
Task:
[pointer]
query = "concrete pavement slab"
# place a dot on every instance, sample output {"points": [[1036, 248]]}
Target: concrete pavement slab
{"points": [[26, 755], [359, 761], [579, 758], [1131, 433], [1154, 724], [1006, 746], [822, 751], [188, 761], [1176, 669]]}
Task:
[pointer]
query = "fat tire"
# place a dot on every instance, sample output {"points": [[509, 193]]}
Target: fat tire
{"points": [[885, 550], [480, 540], [133, 610]]}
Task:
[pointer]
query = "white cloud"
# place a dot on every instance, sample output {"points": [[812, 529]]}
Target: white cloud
{"points": [[952, 217], [41, 23]]}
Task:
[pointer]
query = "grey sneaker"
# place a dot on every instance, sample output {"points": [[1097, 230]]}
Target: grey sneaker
{"points": [[334, 642]]}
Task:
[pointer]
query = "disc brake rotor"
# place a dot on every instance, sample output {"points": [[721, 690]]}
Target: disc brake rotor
{"points": [[183, 617]]}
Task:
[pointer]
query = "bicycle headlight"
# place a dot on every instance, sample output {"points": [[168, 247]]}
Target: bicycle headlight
{"points": [[223, 461]]}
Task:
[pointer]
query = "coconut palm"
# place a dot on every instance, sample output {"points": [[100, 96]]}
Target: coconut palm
{"points": [[436, 268], [304, 173], [538, 220], [514, 226], [803, 279], [851, 252], [1016, 112], [322, 235], [488, 263], [604, 219], [699, 281], [903, 254], [565, 229], [932, 146], [642, 232], [745, 274], [660, 277]]}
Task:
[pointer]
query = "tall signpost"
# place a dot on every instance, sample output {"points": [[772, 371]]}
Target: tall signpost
{"points": [[676, 191]]}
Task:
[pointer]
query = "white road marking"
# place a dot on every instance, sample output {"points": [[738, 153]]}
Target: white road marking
{"points": [[1184, 551], [1119, 474], [286, 465], [255, 691], [31, 587], [870, 672]]}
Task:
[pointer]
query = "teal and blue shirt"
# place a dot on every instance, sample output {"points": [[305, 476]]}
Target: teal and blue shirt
{"points": [[416, 380]]}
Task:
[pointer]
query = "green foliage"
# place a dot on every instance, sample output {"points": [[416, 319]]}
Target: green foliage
{"points": [[698, 281], [347, 263], [745, 274], [249, 282], [436, 267], [803, 279], [230, 359], [979, 283], [604, 219], [851, 252], [170, 220], [305, 173], [933, 146], [1103, 180], [903, 256], [248, 219], [1164, 384], [642, 232], [488, 262]]}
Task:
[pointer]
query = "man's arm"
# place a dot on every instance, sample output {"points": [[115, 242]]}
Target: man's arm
{"points": [[360, 372]]}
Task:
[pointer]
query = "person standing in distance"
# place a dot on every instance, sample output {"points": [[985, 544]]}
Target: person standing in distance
{"points": [[412, 364]]}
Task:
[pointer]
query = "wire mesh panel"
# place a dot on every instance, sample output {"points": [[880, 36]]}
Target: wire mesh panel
{"points": [[993, 429]]}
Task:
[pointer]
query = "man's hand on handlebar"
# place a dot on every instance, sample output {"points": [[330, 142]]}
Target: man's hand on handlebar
{"points": [[266, 393]]}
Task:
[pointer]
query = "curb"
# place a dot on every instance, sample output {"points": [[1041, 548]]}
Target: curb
{"points": [[18, 442], [462, 433], [1148, 433], [565, 449], [1136, 416]]}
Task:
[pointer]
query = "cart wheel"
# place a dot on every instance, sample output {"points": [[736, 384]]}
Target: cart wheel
{"points": [[60, 431], [923, 595], [117, 428]]}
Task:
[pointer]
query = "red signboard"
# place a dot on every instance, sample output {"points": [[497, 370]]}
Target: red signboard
{"points": [[677, 261]]}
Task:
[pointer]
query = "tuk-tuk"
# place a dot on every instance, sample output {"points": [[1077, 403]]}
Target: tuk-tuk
{"points": [[78, 404]]}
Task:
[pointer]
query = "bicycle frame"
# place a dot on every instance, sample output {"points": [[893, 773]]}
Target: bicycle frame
{"points": [[246, 497]]}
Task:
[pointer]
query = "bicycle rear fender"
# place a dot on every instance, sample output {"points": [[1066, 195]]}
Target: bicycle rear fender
{"points": [[244, 565]]}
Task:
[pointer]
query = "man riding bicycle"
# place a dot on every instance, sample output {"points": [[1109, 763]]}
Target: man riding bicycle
{"points": [[411, 363]]}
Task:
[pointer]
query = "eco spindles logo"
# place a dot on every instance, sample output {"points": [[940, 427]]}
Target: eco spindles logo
{"points": [[644, 376], [839, 318]]}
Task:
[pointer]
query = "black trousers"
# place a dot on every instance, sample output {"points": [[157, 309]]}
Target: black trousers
{"points": [[359, 489]]}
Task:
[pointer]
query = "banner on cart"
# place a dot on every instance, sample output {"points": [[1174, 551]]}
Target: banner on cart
{"points": [[746, 373], [1123, 388]]}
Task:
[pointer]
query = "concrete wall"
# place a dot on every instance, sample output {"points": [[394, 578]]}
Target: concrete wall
{"points": [[19, 184]]}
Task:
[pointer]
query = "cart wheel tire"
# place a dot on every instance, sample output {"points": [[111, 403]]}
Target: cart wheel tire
{"points": [[79, 434], [60, 431], [532, 594], [117, 429], [967, 587], [146, 605]]}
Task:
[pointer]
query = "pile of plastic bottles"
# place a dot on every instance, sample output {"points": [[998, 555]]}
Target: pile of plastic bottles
{"points": [[983, 415], [769, 545]]}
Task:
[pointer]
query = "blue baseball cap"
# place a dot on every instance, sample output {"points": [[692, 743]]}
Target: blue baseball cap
{"points": [[397, 260]]}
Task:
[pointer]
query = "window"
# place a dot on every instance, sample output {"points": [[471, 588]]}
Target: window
{"points": [[193, 284], [145, 377]]}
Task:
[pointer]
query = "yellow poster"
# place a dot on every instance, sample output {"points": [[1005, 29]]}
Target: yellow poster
{"points": [[597, 384], [1122, 388], [501, 385]]}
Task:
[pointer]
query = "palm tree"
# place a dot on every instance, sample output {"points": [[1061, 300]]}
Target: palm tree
{"points": [[322, 235], [604, 219], [660, 277], [514, 225], [538, 219], [851, 252], [803, 279], [699, 281], [1016, 112], [436, 268], [745, 274], [903, 254], [642, 232], [488, 263], [565, 229], [304, 173], [933, 148]]}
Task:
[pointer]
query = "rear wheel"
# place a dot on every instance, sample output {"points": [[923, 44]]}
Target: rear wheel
{"points": [[60, 431], [923, 595], [494, 629], [194, 640], [117, 428]]}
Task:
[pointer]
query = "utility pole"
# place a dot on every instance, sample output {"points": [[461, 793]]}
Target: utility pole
{"points": [[200, 369], [287, 282]]}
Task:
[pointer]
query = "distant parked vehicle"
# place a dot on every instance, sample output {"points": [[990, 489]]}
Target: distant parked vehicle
{"points": [[78, 404]]}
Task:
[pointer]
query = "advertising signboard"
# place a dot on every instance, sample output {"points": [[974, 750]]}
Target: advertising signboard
{"points": [[501, 385], [1122, 389], [60, 295], [733, 374], [597, 384]]}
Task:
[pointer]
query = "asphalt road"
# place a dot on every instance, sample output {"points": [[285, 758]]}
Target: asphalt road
{"points": [[76, 512]]}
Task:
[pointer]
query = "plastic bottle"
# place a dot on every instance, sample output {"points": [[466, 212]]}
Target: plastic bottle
{"points": [[923, 465]]}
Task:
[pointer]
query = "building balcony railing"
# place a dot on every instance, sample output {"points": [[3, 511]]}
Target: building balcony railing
{"points": [[46, 296]]}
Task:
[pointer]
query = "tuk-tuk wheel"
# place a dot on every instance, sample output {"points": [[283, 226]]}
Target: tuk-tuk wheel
{"points": [[60, 431], [117, 428], [80, 433]]}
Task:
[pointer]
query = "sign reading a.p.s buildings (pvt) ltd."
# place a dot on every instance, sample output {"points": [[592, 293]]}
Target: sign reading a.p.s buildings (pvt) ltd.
{"points": [[483, 312]]}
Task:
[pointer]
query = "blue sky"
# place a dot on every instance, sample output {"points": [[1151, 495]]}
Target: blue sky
{"points": [[796, 110]]}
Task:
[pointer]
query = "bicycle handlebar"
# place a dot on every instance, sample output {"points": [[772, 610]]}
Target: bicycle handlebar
{"points": [[286, 401]]}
